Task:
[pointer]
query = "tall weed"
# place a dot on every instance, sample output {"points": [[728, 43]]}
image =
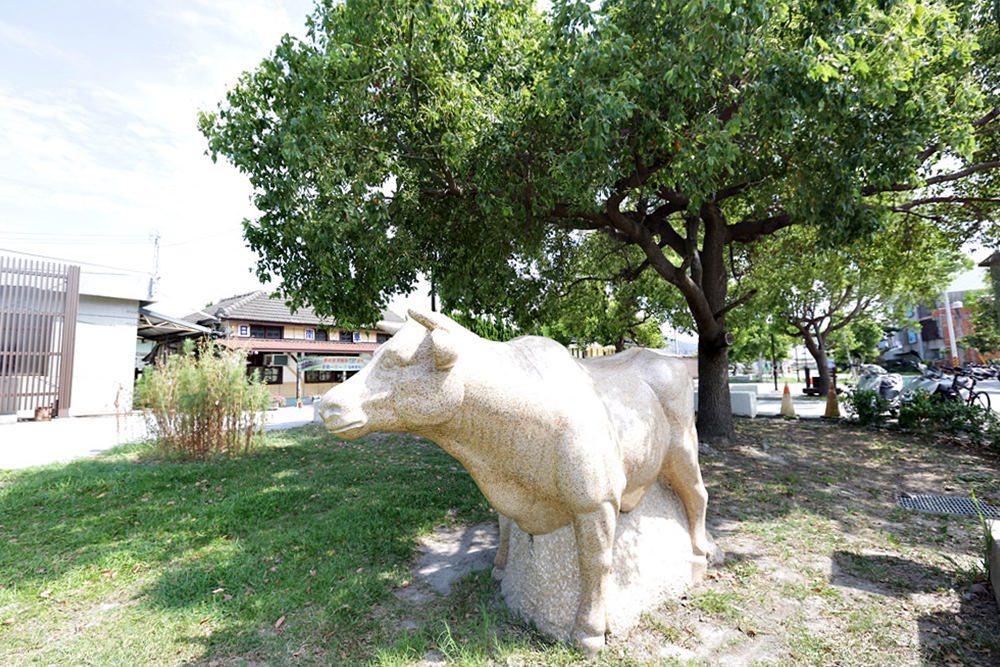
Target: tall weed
{"points": [[201, 403], [866, 406]]}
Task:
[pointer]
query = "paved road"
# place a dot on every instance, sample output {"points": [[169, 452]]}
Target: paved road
{"points": [[29, 443]]}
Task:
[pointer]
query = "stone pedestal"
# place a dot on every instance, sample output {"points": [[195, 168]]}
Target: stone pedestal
{"points": [[652, 562]]}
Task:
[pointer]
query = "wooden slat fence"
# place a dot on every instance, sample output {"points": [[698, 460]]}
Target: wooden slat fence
{"points": [[38, 309]]}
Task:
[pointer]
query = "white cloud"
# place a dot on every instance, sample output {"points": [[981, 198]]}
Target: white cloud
{"points": [[111, 146], [27, 40]]}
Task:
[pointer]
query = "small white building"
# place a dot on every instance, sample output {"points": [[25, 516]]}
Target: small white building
{"points": [[67, 337]]}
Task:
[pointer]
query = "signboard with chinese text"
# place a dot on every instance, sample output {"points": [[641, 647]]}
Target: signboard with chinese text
{"points": [[333, 363]]}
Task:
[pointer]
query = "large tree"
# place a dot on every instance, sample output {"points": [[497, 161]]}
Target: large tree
{"points": [[468, 139], [589, 295], [831, 288]]}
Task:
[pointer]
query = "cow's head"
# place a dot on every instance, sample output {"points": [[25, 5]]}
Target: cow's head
{"points": [[414, 381]]}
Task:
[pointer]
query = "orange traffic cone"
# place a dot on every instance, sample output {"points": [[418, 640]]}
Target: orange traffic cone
{"points": [[832, 405], [787, 407]]}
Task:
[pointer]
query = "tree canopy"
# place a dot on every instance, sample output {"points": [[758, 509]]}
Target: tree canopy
{"points": [[470, 139], [985, 316], [588, 295], [831, 288]]}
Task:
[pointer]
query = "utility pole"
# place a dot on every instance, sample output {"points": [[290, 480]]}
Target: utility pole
{"points": [[774, 364], [154, 280], [951, 330]]}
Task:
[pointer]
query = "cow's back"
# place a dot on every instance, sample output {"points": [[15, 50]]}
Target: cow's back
{"points": [[620, 377]]}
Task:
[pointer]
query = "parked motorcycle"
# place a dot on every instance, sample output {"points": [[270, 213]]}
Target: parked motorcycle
{"points": [[931, 381], [958, 384], [888, 386]]}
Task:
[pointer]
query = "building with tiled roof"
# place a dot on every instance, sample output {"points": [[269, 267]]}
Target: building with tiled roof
{"points": [[299, 354]]}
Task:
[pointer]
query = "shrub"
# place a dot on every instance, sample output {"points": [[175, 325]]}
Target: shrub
{"points": [[866, 406], [925, 413], [201, 403]]}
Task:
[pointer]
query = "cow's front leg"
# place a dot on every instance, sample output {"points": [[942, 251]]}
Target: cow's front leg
{"points": [[500, 562], [595, 536]]}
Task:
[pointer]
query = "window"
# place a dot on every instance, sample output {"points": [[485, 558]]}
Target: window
{"points": [[267, 374], [382, 338], [322, 334], [346, 336], [316, 377], [261, 331]]}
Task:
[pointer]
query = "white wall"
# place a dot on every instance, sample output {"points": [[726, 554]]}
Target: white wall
{"points": [[104, 359]]}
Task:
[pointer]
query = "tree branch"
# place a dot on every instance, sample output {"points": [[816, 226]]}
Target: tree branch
{"points": [[934, 180], [905, 208], [987, 118], [979, 124], [738, 302], [746, 231], [582, 220], [563, 293], [859, 307]]}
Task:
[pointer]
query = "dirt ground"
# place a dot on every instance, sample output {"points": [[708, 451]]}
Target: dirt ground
{"points": [[819, 565]]}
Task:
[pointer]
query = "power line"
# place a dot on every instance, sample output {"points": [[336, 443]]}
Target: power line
{"points": [[72, 261], [79, 235]]}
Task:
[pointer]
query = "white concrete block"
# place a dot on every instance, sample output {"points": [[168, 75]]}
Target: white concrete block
{"points": [[743, 403]]}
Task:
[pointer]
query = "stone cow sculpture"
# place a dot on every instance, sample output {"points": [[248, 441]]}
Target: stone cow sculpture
{"points": [[550, 440]]}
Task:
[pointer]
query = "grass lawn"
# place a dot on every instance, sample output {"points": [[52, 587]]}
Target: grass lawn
{"points": [[291, 556]]}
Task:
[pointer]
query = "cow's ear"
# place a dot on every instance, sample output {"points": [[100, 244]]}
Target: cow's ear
{"points": [[430, 321], [445, 353]]}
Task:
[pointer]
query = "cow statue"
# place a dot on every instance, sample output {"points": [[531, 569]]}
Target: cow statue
{"points": [[550, 440]]}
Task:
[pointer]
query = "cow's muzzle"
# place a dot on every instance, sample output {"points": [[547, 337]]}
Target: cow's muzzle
{"points": [[341, 421]]}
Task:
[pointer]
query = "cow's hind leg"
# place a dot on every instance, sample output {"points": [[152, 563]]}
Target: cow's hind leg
{"points": [[595, 536], [681, 472], [500, 562]]}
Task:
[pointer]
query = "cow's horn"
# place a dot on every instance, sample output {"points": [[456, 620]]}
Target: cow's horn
{"points": [[445, 354], [426, 319], [389, 327]]}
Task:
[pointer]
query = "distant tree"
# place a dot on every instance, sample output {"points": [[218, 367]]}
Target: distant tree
{"points": [[465, 139], [986, 330], [832, 289], [753, 335], [487, 327], [857, 342]]}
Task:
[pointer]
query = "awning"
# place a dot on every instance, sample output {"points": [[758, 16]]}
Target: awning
{"points": [[288, 345], [154, 326]]}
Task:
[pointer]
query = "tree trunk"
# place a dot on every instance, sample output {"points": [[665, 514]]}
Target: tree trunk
{"points": [[715, 412], [817, 348]]}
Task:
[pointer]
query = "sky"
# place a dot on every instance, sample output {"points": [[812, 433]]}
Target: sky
{"points": [[99, 147]]}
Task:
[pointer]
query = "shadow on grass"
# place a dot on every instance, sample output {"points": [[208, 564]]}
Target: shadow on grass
{"points": [[885, 574], [279, 557], [844, 475], [967, 633], [831, 489]]}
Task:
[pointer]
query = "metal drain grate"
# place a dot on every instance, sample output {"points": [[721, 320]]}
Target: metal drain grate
{"points": [[947, 505]]}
